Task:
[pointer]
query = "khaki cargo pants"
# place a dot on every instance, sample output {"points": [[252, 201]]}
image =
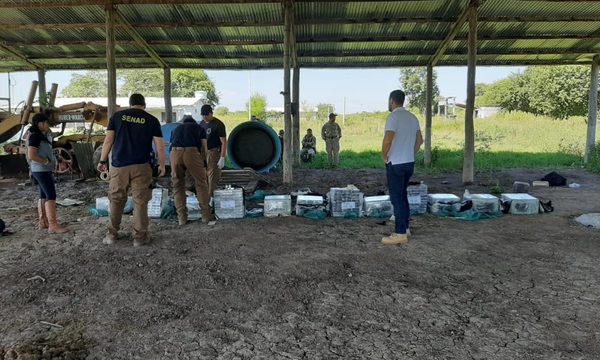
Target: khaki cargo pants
{"points": [[139, 179], [190, 159], [332, 145], [213, 171]]}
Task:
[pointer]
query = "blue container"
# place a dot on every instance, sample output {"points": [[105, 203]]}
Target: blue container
{"points": [[167, 131], [255, 145]]}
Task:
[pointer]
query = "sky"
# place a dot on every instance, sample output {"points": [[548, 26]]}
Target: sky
{"points": [[360, 89]]}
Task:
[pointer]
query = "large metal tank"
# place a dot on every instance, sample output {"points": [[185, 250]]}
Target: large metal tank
{"points": [[255, 145]]}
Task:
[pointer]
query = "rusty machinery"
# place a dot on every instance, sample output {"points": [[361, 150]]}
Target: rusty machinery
{"points": [[68, 148]]}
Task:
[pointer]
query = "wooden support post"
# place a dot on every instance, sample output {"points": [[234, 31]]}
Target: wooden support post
{"points": [[53, 92], [296, 115], [288, 176], [428, 115], [592, 110], [43, 101], [28, 106], [110, 59], [469, 151], [167, 94]]}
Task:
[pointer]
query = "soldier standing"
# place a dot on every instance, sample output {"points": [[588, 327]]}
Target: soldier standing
{"points": [[188, 152], [216, 142], [332, 133]]}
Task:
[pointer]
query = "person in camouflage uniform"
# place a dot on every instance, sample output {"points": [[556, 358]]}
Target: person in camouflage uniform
{"points": [[309, 146], [332, 133]]}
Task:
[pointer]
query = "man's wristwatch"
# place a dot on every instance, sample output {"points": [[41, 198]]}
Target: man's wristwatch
{"points": [[103, 162]]}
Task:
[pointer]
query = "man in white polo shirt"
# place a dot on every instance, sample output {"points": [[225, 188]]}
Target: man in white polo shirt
{"points": [[401, 142]]}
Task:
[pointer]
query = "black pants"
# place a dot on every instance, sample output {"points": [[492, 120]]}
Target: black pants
{"points": [[45, 181]]}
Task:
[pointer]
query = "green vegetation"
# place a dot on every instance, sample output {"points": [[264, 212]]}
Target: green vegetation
{"points": [[150, 82], [555, 91], [507, 140], [258, 106], [414, 83], [594, 159]]}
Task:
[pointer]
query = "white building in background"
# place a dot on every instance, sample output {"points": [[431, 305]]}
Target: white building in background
{"points": [[154, 105]]}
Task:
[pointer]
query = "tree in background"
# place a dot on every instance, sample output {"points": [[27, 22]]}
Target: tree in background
{"points": [[184, 83], [221, 110], [149, 82], [187, 81], [258, 105], [554, 91], [323, 111], [92, 83], [414, 84]]}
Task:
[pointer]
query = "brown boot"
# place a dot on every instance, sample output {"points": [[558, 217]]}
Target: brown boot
{"points": [[53, 226], [43, 220], [395, 239]]}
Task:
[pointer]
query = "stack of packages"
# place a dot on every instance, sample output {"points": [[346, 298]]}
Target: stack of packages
{"points": [[345, 202]]}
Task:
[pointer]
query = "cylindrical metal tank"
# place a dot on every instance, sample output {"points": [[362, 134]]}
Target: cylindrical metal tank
{"points": [[255, 145]]}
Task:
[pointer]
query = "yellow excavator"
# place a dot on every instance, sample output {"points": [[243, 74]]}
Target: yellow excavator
{"points": [[66, 147]]}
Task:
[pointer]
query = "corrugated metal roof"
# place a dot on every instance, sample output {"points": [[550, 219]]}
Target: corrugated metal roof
{"points": [[58, 34]]}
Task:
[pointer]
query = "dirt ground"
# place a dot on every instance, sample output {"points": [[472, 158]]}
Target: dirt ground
{"points": [[515, 287]]}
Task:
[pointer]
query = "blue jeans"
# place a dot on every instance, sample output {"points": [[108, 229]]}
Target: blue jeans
{"points": [[45, 180], [398, 177]]}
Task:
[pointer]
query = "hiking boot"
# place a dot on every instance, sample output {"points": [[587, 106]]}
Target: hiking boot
{"points": [[109, 239], [182, 221], [395, 239]]}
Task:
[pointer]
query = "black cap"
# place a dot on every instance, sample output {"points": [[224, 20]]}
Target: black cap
{"points": [[332, 115], [206, 110], [137, 99]]}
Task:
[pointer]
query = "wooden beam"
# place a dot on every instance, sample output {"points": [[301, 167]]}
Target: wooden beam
{"points": [[22, 58], [327, 53], [288, 176], [428, 115], [311, 21], [42, 87], [110, 59], [469, 150], [295, 95], [592, 110], [450, 37], [72, 3], [167, 94], [306, 40], [140, 41]]}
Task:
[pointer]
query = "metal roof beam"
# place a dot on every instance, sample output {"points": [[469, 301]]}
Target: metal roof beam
{"points": [[336, 39], [394, 64], [139, 40], [339, 53], [17, 55], [346, 21], [450, 37]]}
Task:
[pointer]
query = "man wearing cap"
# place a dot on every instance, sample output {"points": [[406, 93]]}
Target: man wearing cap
{"points": [[130, 135], [188, 152], [401, 142], [332, 133], [216, 141]]}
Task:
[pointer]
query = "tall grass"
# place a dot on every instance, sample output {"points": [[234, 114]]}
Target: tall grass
{"points": [[506, 140]]}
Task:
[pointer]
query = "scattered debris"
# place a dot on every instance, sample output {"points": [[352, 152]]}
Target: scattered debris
{"points": [[51, 324], [37, 277], [591, 220]]}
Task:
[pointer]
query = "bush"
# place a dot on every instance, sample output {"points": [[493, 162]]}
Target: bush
{"points": [[594, 159]]}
